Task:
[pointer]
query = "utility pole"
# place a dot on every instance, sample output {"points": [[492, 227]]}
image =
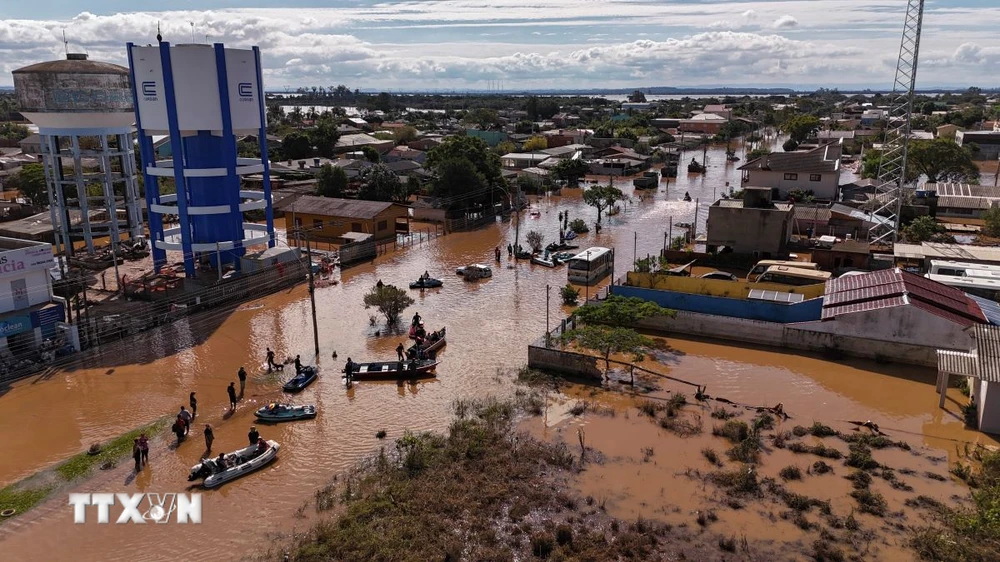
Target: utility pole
{"points": [[548, 288], [635, 244], [517, 225], [312, 293]]}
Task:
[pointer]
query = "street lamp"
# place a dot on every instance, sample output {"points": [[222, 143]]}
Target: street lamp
{"points": [[587, 285]]}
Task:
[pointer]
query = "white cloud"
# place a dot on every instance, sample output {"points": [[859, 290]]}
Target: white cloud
{"points": [[785, 21], [546, 43]]}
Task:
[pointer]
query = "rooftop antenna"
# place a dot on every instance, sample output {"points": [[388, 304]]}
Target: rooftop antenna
{"points": [[159, 38], [65, 42]]}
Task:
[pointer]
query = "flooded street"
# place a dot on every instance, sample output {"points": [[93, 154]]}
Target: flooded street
{"points": [[490, 323]]}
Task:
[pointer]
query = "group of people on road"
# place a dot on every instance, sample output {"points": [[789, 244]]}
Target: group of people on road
{"points": [[140, 451]]}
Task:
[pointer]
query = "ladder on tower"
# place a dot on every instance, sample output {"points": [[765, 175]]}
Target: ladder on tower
{"points": [[890, 186]]}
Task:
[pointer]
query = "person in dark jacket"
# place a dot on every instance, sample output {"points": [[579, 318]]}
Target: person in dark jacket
{"points": [[194, 405], [253, 435], [209, 437], [270, 360], [399, 351], [231, 389], [298, 365], [242, 374], [137, 455]]}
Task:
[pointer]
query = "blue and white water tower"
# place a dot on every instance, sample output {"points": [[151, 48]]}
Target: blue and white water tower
{"points": [[202, 97]]}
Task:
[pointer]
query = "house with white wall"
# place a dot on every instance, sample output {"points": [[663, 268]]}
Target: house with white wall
{"points": [[816, 171]]}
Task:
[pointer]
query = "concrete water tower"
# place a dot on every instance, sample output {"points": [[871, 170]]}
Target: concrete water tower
{"points": [[201, 97], [84, 113]]}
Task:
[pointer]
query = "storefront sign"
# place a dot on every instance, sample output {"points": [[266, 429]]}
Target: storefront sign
{"points": [[27, 259], [14, 325]]}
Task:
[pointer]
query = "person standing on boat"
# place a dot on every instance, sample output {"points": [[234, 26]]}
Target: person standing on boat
{"points": [[416, 319], [270, 360], [242, 374], [253, 435], [298, 365], [348, 368], [399, 351], [144, 448], [231, 389], [209, 437], [194, 405]]}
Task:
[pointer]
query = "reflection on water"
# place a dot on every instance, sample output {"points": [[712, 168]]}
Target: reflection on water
{"points": [[490, 322]]}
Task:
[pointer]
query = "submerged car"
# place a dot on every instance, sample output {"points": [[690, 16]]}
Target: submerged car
{"points": [[475, 271], [719, 275]]}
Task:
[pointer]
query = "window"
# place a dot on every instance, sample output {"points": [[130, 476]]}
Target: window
{"points": [[356, 227], [815, 177], [791, 176], [382, 225], [318, 224]]}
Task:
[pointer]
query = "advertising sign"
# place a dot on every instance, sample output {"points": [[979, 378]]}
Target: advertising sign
{"points": [[22, 260], [148, 73], [15, 325], [196, 88], [244, 93]]}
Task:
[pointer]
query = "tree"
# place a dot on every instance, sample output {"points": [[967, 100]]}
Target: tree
{"points": [[535, 240], [941, 160], [13, 131], [620, 312], [381, 184], [482, 117], [800, 127], [991, 222], [296, 146], [31, 184], [606, 341], [404, 135], [331, 181], [535, 143], [601, 197], [389, 300], [570, 170], [371, 154], [383, 102], [505, 147], [473, 149], [789, 145], [922, 229], [569, 294], [758, 152], [324, 137], [637, 97], [457, 177]]}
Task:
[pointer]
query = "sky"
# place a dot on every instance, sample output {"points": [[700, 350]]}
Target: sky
{"points": [[534, 44]]}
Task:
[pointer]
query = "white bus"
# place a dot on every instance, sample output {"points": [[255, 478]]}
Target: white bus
{"points": [[963, 269], [988, 288], [763, 265], [590, 265], [793, 276]]}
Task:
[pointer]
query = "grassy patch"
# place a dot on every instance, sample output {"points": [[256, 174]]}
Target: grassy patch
{"points": [[739, 482], [711, 456], [860, 457], [820, 467], [870, 502], [734, 430], [21, 498], [651, 407], [470, 494], [818, 450], [682, 426], [721, 413], [791, 472], [763, 420], [873, 441], [534, 377], [111, 452], [819, 430]]}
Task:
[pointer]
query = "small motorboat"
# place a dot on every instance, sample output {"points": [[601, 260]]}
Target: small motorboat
{"points": [[233, 465], [393, 370], [431, 344], [694, 167], [569, 235], [544, 261], [535, 213], [669, 171], [275, 412], [303, 379], [426, 283], [563, 257], [475, 271], [553, 247]]}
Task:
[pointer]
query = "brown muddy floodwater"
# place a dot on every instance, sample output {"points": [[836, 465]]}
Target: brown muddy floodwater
{"points": [[489, 322]]}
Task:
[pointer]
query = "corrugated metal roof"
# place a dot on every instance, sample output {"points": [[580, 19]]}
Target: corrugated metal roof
{"points": [[990, 308], [963, 190], [957, 362], [333, 207], [988, 350], [956, 202], [960, 252], [893, 287]]}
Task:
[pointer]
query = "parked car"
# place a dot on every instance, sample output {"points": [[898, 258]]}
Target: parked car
{"points": [[719, 275]]}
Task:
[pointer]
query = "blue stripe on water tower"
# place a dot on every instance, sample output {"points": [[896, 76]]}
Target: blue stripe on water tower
{"points": [[231, 182], [150, 183], [262, 140], [177, 146]]}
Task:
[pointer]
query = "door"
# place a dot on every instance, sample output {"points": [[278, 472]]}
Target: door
{"points": [[19, 290]]}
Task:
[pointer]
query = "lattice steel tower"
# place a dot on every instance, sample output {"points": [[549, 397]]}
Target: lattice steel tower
{"points": [[891, 182]]}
